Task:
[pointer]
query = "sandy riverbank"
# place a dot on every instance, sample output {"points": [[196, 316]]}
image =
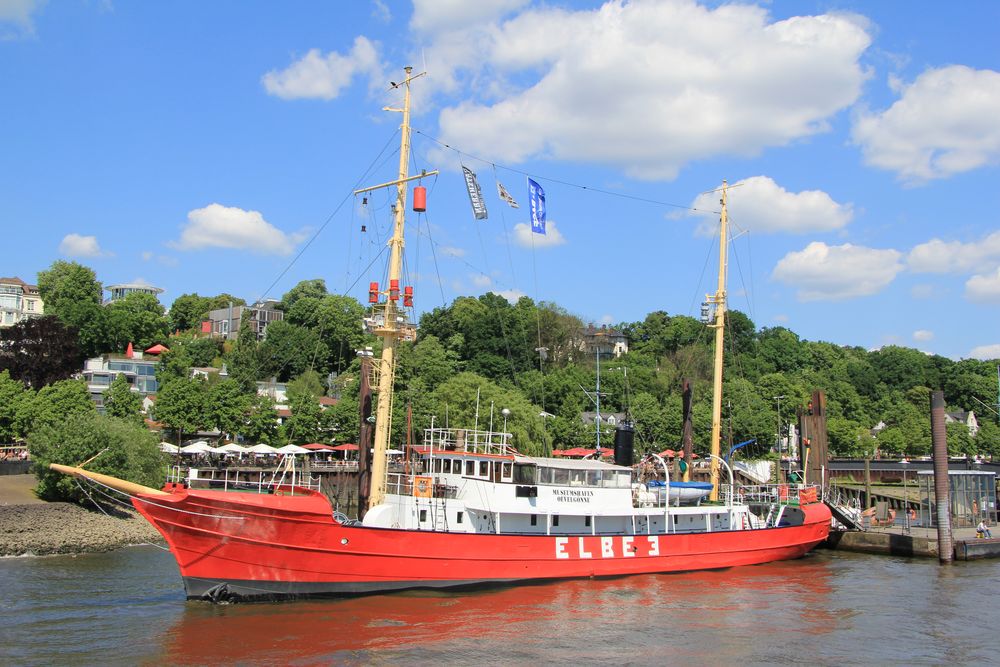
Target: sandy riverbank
{"points": [[32, 526]]}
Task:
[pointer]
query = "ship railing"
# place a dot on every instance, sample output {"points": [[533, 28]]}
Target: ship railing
{"points": [[232, 479], [778, 494], [472, 441]]}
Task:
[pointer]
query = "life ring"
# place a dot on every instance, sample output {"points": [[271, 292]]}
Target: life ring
{"points": [[870, 512]]}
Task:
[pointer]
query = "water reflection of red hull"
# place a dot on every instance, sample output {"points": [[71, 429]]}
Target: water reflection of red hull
{"points": [[582, 621], [248, 545]]}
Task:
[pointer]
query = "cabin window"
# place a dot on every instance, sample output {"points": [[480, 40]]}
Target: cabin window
{"points": [[470, 468], [586, 521], [577, 478], [423, 516], [545, 475], [505, 475], [438, 465], [524, 474], [593, 478], [560, 476], [534, 519], [496, 471], [484, 469], [459, 516], [555, 519]]}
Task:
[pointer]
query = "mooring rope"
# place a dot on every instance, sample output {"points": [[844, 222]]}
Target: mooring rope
{"points": [[155, 504]]}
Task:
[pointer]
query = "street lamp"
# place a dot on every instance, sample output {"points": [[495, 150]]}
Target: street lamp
{"points": [[506, 413]]}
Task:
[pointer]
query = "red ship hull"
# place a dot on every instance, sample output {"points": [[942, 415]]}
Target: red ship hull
{"points": [[236, 545]]}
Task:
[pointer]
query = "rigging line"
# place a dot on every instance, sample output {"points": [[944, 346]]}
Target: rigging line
{"points": [[513, 274], [496, 310], [437, 267], [329, 218], [105, 512], [350, 241], [567, 183]]}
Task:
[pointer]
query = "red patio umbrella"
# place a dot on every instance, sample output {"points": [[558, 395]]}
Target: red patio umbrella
{"points": [[318, 447], [158, 349], [346, 447]]}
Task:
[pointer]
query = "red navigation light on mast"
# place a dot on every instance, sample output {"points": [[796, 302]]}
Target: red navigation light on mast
{"points": [[393, 290], [373, 292], [408, 296], [420, 199]]}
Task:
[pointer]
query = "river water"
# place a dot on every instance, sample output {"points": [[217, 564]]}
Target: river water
{"points": [[830, 608]]}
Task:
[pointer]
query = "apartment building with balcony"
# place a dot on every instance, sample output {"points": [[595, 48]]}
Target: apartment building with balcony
{"points": [[18, 301]]}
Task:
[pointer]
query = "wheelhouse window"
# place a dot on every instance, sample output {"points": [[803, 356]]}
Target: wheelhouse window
{"points": [[470, 468], [524, 474], [484, 469]]}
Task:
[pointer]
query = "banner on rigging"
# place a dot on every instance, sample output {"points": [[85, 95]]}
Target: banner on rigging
{"points": [[504, 195], [536, 200], [475, 195]]}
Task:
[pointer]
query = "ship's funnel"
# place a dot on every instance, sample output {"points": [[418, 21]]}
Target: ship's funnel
{"points": [[624, 439], [131, 488]]}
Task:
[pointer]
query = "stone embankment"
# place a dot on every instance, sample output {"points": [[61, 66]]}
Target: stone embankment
{"points": [[29, 526]]}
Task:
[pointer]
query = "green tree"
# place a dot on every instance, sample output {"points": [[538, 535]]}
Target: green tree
{"points": [[289, 350], [137, 318], [203, 351], [12, 393], [315, 288], [262, 421], [227, 407], [72, 293], [52, 404], [120, 401], [181, 405], [304, 424], [112, 446]]}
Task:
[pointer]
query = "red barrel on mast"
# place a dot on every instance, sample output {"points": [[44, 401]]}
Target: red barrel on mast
{"points": [[420, 199]]}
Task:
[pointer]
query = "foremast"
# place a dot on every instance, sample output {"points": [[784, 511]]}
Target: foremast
{"points": [[719, 300], [386, 324]]}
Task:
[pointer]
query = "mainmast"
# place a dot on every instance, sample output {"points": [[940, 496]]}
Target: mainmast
{"points": [[719, 299], [387, 317]]}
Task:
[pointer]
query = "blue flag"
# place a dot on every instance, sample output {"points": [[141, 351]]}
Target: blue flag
{"points": [[536, 199]]}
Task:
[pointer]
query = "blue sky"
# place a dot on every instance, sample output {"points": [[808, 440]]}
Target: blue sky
{"points": [[212, 147]]}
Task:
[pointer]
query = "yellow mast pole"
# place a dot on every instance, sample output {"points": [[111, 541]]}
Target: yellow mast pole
{"points": [[720, 321], [390, 332]]}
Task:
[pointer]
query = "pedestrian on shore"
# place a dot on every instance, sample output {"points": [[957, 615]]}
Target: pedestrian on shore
{"points": [[982, 530]]}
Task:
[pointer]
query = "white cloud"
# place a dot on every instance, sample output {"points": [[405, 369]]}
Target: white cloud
{"points": [[451, 251], [943, 124], [761, 205], [217, 226], [606, 319], [75, 245], [480, 280], [923, 335], [16, 20], [445, 15], [525, 238], [937, 256], [319, 76], [781, 317], [984, 288], [381, 11], [828, 273], [986, 352], [644, 86], [512, 295]]}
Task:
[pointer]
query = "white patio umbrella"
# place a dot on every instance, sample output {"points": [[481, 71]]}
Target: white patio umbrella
{"points": [[293, 449], [232, 448], [200, 447], [262, 449], [167, 447]]}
